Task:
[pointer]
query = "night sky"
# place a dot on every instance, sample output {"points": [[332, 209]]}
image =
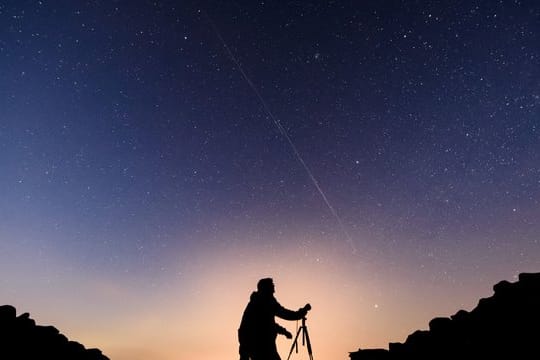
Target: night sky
{"points": [[378, 159]]}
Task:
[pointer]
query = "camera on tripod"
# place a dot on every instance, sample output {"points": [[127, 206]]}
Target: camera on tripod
{"points": [[305, 336]]}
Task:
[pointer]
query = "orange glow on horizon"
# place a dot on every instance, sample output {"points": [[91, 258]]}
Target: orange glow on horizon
{"points": [[196, 313]]}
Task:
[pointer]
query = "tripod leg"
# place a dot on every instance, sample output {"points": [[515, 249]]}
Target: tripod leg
{"points": [[310, 352], [295, 343]]}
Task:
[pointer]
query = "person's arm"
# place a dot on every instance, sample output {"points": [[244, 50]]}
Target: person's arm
{"points": [[281, 330], [287, 314]]}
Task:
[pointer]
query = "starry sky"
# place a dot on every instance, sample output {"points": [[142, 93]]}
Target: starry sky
{"points": [[378, 159]]}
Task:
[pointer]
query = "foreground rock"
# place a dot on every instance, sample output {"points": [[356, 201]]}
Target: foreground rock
{"points": [[504, 325], [21, 338]]}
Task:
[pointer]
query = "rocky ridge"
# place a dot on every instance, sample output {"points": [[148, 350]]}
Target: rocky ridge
{"points": [[21, 338], [504, 325]]}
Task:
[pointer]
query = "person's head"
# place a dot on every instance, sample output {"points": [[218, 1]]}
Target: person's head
{"points": [[266, 286]]}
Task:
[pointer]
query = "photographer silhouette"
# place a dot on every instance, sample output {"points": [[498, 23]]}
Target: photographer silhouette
{"points": [[258, 329]]}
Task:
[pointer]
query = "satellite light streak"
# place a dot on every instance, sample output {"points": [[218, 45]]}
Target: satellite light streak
{"points": [[285, 135]]}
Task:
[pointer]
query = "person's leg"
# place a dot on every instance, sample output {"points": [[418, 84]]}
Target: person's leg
{"points": [[266, 350], [244, 353], [274, 355], [244, 348]]}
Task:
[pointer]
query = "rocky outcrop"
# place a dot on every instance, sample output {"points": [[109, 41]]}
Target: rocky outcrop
{"points": [[21, 338], [503, 325]]}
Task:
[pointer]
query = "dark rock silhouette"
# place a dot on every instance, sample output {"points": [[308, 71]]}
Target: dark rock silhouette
{"points": [[504, 325], [21, 338]]}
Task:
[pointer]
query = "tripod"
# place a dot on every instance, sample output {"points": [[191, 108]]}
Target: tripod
{"points": [[305, 340]]}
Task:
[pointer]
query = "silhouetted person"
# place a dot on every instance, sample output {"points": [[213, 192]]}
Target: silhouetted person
{"points": [[258, 329]]}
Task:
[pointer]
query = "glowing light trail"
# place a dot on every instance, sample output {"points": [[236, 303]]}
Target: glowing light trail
{"points": [[284, 133]]}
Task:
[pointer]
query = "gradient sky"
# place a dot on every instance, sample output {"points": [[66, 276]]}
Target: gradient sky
{"points": [[146, 185]]}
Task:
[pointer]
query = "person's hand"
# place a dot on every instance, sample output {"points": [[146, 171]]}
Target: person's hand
{"points": [[288, 335]]}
